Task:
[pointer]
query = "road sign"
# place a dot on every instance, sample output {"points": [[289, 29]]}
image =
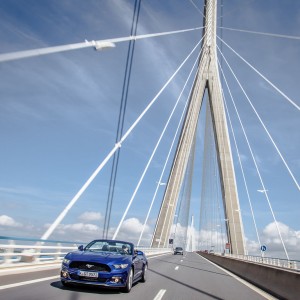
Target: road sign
{"points": [[227, 246], [263, 248]]}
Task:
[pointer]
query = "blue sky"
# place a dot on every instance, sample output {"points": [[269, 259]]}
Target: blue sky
{"points": [[58, 113]]}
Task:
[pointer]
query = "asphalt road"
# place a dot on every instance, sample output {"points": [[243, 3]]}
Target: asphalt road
{"points": [[186, 277]]}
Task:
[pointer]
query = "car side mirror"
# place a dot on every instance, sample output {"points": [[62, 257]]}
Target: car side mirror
{"points": [[80, 248], [138, 252]]}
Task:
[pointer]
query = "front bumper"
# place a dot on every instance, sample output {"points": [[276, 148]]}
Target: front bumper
{"points": [[112, 279]]}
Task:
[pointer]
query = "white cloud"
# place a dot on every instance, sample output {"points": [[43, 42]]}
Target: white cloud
{"points": [[80, 227], [252, 247], [90, 216], [270, 238], [85, 232], [8, 221], [290, 237], [82, 232], [131, 230], [132, 225]]}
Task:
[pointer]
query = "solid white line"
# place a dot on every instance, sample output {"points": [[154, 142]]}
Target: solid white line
{"points": [[27, 269], [8, 286], [176, 268], [160, 295], [157, 255]]}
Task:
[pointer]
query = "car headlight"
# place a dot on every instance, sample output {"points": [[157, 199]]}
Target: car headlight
{"points": [[121, 266], [66, 261]]}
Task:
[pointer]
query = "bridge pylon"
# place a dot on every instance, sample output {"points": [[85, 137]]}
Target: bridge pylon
{"points": [[207, 79]]}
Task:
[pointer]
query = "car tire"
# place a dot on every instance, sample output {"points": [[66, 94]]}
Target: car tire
{"points": [[144, 274], [128, 286]]}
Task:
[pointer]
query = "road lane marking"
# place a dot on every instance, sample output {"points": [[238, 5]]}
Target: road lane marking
{"points": [[27, 269], [157, 255], [8, 286], [176, 268], [160, 294], [181, 260]]}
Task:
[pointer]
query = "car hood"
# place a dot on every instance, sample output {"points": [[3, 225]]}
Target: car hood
{"points": [[104, 258]]}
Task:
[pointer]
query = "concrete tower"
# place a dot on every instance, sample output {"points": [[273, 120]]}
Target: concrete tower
{"points": [[207, 78]]}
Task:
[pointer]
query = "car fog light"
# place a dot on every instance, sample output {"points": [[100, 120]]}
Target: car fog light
{"points": [[64, 274], [115, 279]]}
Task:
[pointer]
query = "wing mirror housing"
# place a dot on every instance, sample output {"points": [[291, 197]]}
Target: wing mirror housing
{"points": [[80, 248], [138, 252]]}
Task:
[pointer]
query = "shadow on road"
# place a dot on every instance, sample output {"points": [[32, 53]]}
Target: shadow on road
{"points": [[187, 285], [83, 289], [185, 266]]}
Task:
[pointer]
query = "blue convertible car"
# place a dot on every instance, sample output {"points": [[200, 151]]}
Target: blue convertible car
{"points": [[107, 263]]}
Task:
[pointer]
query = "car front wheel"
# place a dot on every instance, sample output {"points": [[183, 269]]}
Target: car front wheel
{"points": [[128, 286], [143, 279]]}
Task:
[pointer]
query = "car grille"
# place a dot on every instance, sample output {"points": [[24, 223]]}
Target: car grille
{"points": [[77, 277], [89, 266]]}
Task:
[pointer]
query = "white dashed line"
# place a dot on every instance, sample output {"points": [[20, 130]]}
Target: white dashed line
{"points": [[8, 286], [160, 295], [176, 268]]}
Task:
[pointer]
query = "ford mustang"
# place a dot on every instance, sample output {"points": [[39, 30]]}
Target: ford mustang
{"points": [[106, 263]]}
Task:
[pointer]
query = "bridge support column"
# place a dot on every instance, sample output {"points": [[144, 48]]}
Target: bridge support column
{"points": [[207, 78]]}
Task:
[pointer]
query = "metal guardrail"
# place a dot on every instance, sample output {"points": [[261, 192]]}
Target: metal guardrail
{"points": [[276, 262], [21, 251]]}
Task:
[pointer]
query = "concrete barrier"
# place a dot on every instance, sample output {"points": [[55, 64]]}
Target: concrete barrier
{"points": [[281, 283]]}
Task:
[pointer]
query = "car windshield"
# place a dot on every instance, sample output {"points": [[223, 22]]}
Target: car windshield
{"points": [[178, 248], [115, 247]]}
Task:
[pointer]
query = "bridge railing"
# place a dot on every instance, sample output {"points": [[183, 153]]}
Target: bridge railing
{"points": [[277, 262], [24, 251], [21, 251]]}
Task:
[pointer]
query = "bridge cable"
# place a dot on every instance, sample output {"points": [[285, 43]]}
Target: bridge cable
{"points": [[197, 8], [262, 76], [293, 37], [154, 151], [238, 153], [205, 220], [236, 7], [98, 45], [253, 158], [183, 209], [266, 130], [111, 153], [210, 201], [185, 191], [178, 175], [170, 150], [188, 193], [122, 111]]}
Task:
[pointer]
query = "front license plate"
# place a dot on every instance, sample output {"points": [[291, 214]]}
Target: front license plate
{"points": [[88, 274]]}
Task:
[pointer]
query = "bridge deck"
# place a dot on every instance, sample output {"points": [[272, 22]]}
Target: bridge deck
{"points": [[173, 276]]}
